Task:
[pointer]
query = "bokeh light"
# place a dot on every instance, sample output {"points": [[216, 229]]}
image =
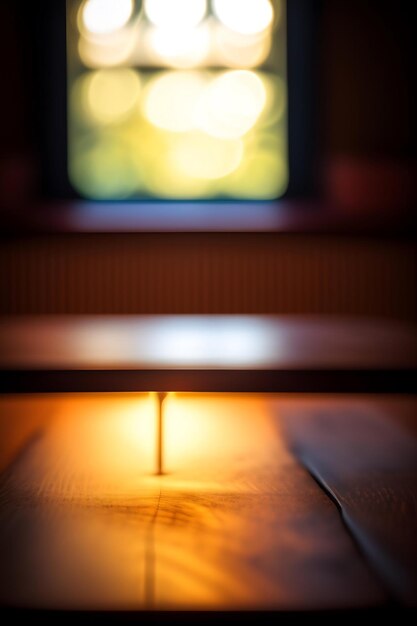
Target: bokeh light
{"points": [[261, 175], [241, 51], [112, 94], [175, 13], [106, 16], [232, 104], [170, 99], [179, 47], [181, 99], [244, 16], [199, 156], [104, 168], [108, 50]]}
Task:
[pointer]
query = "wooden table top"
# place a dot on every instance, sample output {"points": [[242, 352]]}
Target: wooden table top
{"points": [[206, 353], [367, 464], [236, 522]]}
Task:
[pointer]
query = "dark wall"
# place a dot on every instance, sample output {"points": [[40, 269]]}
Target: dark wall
{"points": [[367, 100], [368, 74], [208, 273]]}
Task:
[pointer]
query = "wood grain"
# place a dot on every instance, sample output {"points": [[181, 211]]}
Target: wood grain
{"points": [[368, 464], [236, 523]]}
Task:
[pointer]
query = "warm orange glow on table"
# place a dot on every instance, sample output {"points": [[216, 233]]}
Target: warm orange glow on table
{"points": [[231, 524], [113, 440]]}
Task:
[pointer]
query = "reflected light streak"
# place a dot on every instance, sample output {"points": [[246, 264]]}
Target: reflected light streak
{"points": [[232, 343], [106, 16], [245, 16], [175, 13], [184, 340]]}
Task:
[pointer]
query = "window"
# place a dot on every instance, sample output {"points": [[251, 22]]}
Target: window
{"points": [[177, 99]]}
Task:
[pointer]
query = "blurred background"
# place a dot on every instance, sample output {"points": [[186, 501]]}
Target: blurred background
{"points": [[345, 247], [177, 99]]}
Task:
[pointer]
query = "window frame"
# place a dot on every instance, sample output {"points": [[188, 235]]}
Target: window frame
{"points": [[48, 32]]}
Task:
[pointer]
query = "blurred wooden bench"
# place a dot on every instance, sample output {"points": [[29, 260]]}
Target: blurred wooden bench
{"points": [[206, 353]]}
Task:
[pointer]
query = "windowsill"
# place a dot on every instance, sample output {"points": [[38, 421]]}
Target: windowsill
{"points": [[287, 216]]}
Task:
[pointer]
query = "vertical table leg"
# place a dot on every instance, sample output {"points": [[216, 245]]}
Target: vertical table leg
{"points": [[160, 434]]}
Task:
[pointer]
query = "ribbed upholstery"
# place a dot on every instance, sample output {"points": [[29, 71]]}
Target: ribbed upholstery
{"points": [[207, 273]]}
